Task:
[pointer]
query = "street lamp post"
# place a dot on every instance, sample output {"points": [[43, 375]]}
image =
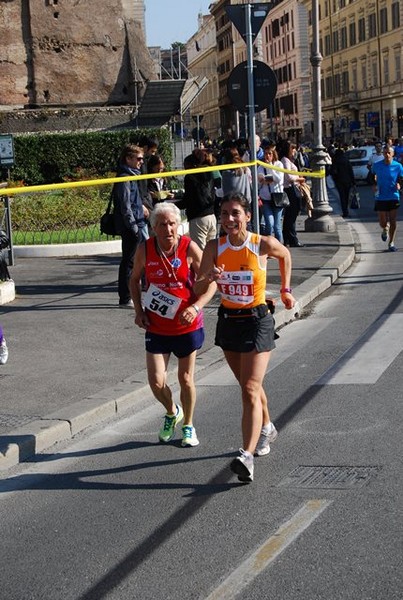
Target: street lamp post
{"points": [[320, 219]]}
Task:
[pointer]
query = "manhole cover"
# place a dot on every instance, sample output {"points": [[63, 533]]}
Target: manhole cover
{"points": [[7, 420], [329, 477]]}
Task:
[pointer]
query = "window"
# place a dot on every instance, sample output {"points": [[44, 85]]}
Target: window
{"points": [[329, 87], [374, 69], [328, 46], [337, 86], [361, 30], [353, 35], [372, 25], [364, 76], [395, 15], [354, 77], [383, 18], [345, 81], [398, 67], [335, 41], [386, 69], [343, 38], [342, 3]]}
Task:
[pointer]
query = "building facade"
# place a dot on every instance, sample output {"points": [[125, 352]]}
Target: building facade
{"points": [[282, 44], [361, 44], [202, 62]]}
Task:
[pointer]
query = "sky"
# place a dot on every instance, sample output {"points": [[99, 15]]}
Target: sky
{"points": [[169, 21]]}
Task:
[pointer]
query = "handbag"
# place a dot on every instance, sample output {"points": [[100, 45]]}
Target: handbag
{"points": [[354, 199], [280, 199], [107, 222]]}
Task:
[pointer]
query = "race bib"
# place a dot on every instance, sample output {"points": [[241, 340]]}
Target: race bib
{"points": [[236, 286], [161, 302]]}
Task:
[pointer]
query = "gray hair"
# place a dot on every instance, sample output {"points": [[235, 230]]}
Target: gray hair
{"points": [[165, 208]]}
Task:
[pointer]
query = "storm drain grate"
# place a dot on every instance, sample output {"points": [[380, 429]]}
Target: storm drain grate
{"points": [[7, 420], [337, 478]]}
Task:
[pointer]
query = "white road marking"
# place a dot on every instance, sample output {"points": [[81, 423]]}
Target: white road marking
{"points": [[269, 551], [370, 356], [298, 333]]}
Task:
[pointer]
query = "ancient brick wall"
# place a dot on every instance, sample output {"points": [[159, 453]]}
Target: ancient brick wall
{"points": [[66, 52]]}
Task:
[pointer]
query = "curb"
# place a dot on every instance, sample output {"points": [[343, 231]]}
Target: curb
{"points": [[20, 444]]}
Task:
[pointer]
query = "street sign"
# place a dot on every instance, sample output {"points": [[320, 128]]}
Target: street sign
{"points": [[259, 12], [198, 133], [6, 151], [264, 83]]}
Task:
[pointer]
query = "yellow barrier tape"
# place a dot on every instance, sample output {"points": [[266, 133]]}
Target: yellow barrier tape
{"points": [[94, 182]]}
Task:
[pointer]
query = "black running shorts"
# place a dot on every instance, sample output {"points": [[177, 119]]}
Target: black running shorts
{"points": [[245, 330]]}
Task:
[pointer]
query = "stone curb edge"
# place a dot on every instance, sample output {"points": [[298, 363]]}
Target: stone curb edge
{"points": [[33, 438]]}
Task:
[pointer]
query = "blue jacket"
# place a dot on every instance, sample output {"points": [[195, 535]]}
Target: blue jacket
{"points": [[127, 204]]}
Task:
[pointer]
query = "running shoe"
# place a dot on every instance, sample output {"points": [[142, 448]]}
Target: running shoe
{"points": [[384, 234], [128, 304], [392, 248], [266, 438], [189, 437], [3, 352], [242, 466], [167, 433]]}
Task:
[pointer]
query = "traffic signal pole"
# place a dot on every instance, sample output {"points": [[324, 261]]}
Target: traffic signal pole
{"points": [[252, 115]]}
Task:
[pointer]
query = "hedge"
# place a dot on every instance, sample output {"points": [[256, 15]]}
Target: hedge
{"points": [[42, 158]]}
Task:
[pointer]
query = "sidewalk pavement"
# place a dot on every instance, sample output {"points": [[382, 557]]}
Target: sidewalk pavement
{"points": [[76, 358]]}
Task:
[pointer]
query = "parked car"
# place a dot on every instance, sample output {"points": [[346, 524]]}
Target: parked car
{"points": [[358, 158]]}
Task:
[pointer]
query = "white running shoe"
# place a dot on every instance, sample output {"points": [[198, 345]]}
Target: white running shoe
{"points": [[3, 352], [242, 465], [189, 437], [266, 438]]}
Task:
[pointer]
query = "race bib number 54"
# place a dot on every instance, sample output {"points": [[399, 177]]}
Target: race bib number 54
{"points": [[161, 302]]}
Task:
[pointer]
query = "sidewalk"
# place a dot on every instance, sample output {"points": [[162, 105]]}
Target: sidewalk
{"points": [[76, 358]]}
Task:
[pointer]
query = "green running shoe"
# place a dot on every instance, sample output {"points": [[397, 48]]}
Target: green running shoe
{"points": [[167, 432]]}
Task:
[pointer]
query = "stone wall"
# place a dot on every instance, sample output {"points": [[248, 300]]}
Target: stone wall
{"points": [[66, 119], [58, 52]]}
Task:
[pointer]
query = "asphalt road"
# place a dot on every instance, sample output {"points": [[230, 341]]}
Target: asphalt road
{"points": [[116, 515]]}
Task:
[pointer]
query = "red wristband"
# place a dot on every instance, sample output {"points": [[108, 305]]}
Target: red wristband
{"points": [[286, 291]]}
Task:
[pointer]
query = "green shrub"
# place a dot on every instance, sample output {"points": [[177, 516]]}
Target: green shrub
{"points": [[42, 158]]}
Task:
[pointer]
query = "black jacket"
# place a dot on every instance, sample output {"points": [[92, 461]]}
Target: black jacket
{"points": [[199, 196]]}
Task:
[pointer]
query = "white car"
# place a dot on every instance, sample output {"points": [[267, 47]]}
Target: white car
{"points": [[359, 158]]}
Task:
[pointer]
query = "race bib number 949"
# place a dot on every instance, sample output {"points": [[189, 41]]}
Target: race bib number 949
{"points": [[161, 302], [236, 286]]}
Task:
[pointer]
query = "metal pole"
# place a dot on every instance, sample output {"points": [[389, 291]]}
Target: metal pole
{"points": [[251, 107], [9, 230], [320, 219], [233, 66]]}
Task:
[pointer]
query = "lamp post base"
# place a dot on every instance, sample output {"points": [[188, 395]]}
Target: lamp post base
{"points": [[320, 220]]}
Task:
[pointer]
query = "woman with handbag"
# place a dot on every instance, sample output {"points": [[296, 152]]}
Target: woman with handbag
{"points": [[270, 192], [287, 152]]}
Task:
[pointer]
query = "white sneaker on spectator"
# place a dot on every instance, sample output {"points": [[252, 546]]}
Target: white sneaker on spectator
{"points": [[3, 352]]}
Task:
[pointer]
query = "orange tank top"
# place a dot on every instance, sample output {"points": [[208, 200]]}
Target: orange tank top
{"points": [[243, 281]]}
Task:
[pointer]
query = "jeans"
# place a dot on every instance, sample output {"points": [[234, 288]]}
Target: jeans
{"points": [[272, 218]]}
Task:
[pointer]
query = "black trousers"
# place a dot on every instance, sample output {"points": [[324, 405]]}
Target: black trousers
{"points": [[290, 216], [130, 242], [344, 193]]}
